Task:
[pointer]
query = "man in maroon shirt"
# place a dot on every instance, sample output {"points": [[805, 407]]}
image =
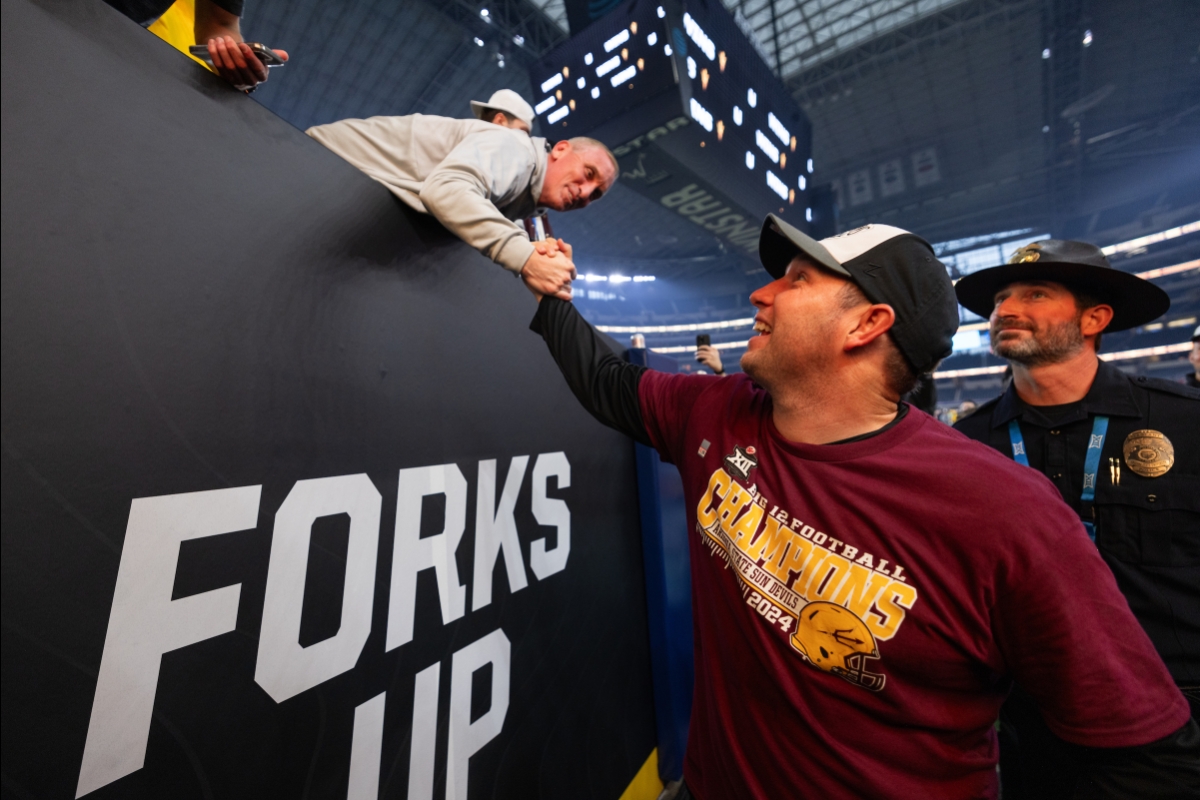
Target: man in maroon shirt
{"points": [[868, 583]]}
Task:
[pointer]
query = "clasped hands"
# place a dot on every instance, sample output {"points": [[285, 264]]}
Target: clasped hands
{"points": [[549, 269]]}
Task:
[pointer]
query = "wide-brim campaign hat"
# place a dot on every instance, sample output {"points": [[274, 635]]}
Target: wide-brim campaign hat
{"points": [[1080, 267], [891, 266], [509, 102]]}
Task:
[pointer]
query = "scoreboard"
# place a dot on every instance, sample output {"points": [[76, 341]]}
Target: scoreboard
{"points": [[613, 66], [686, 72]]}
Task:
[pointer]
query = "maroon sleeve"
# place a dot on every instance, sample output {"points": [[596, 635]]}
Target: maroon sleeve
{"points": [[666, 402], [1071, 641]]}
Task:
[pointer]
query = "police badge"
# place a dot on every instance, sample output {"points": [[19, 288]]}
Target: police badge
{"points": [[1027, 254], [1149, 453]]}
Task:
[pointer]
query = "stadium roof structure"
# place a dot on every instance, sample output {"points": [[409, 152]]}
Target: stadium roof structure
{"points": [[951, 118], [796, 35], [793, 35]]}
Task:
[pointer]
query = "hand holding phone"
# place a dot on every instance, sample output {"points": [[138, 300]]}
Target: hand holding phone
{"points": [[708, 355], [245, 65], [264, 54]]}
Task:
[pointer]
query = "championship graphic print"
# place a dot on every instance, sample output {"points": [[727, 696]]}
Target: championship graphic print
{"points": [[832, 601]]}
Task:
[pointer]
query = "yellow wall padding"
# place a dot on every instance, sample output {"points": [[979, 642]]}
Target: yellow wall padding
{"points": [[646, 784], [177, 27]]}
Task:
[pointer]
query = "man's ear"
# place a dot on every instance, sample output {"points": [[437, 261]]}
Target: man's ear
{"points": [[1095, 319], [560, 149], [872, 322], [500, 119]]}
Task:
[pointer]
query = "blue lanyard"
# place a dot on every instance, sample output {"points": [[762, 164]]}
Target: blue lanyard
{"points": [[1091, 462]]}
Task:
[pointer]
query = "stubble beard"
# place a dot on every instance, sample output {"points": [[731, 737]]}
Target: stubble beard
{"points": [[1046, 346], [752, 364], [778, 366]]}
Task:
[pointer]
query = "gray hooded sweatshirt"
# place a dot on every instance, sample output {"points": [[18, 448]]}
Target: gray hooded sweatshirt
{"points": [[475, 177]]}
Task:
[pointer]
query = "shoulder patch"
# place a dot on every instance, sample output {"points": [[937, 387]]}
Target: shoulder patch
{"points": [[1165, 386]]}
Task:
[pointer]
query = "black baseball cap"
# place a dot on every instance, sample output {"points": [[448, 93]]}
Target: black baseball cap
{"points": [[891, 266], [1080, 267]]}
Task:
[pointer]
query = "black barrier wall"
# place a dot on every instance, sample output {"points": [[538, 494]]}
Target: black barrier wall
{"points": [[294, 506]]}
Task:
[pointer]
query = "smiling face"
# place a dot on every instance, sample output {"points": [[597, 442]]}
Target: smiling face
{"points": [[800, 325], [1040, 322], [575, 177]]}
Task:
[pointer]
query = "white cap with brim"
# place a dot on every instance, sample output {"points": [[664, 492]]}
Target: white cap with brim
{"points": [[509, 102]]}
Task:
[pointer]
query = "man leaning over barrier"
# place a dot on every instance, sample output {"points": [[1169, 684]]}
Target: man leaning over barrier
{"points": [[867, 582], [477, 177]]}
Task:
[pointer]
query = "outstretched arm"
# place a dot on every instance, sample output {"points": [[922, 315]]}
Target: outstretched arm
{"points": [[605, 385]]}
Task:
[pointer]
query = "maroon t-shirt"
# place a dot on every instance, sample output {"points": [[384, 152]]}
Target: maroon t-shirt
{"points": [[861, 608]]}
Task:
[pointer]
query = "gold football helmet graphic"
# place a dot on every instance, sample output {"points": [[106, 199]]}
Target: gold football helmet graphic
{"points": [[833, 639]]}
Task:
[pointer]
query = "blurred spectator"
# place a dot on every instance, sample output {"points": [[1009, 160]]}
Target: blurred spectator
{"points": [[710, 357], [216, 23], [966, 408], [507, 109]]}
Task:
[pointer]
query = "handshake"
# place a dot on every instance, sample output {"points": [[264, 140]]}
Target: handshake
{"points": [[549, 269]]}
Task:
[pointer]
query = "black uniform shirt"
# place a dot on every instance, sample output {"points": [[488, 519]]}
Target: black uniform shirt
{"points": [[1147, 529]]}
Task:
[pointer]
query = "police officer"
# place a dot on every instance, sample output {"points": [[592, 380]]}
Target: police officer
{"points": [[1123, 451]]}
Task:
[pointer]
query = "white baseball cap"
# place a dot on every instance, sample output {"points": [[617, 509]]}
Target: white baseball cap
{"points": [[509, 102]]}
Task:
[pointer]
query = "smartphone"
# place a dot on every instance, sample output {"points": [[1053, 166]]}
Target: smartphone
{"points": [[265, 54], [702, 339]]}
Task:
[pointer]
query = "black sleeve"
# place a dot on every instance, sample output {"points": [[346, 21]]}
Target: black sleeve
{"points": [[1166, 768], [234, 7], [143, 12], [605, 385]]}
